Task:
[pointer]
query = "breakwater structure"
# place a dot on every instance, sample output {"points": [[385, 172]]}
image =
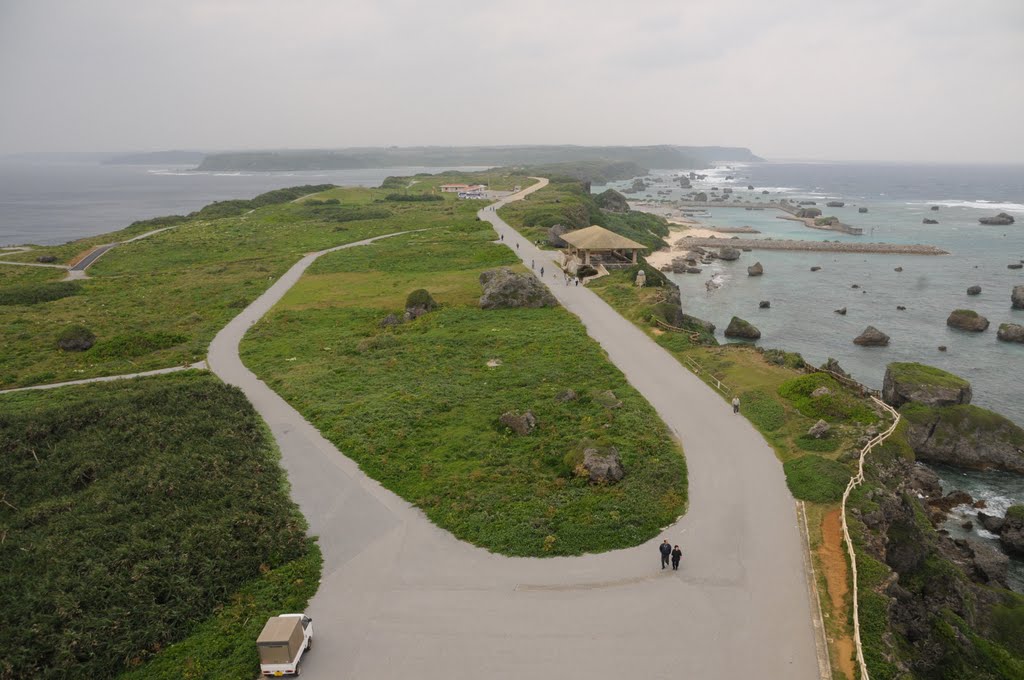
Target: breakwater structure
{"points": [[792, 213], [690, 242]]}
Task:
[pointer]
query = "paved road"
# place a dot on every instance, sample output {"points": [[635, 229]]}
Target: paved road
{"points": [[402, 599], [98, 252]]}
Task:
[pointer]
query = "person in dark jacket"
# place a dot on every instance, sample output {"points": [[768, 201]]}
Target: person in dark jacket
{"points": [[666, 551], [677, 555]]}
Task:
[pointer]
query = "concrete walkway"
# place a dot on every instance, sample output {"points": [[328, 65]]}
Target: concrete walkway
{"points": [[198, 366], [402, 599]]}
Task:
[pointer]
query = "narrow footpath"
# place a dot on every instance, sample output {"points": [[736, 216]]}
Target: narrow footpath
{"points": [[401, 598]]}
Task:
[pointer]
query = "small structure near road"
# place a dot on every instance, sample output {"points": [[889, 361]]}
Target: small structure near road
{"points": [[596, 244]]}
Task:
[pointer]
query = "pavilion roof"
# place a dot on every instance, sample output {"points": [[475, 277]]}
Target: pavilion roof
{"points": [[599, 238]]}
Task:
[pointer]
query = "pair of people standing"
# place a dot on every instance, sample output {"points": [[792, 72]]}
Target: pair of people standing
{"points": [[667, 551]]}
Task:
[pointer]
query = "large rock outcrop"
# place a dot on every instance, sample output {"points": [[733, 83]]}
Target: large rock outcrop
{"points": [[1011, 332], [728, 253], [522, 424], [1017, 297], [964, 436], [555, 239], [603, 466], [871, 337], [503, 289], [921, 384], [612, 201], [1000, 220], [755, 269], [967, 320], [739, 328], [808, 212], [1011, 534]]}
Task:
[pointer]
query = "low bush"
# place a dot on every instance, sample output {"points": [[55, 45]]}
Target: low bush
{"points": [[38, 293], [817, 479], [76, 338], [420, 298], [781, 357], [414, 197], [133, 511], [136, 344], [838, 405], [822, 445], [764, 412]]}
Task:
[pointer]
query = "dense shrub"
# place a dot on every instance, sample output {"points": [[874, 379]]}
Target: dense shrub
{"points": [[781, 357], [653, 278], [838, 405], [133, 511], [764, 412], [158, 222], [817, 479], [136, 344], [420, 298], [76, 338], [335, 212], [414, 197], [233, 208], [35, 294], [394, 183]]}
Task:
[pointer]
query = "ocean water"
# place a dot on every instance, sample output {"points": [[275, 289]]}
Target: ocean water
{"points": [[802, 316], [898, 198], [47, 202]]}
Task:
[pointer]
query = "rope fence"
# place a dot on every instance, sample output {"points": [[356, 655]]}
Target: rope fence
{"points": [[856, 481]]}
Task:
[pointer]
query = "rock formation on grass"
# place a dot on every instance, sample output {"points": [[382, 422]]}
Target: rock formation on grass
{"points": [[603, 465], [521, 424], [871, 337], [555, 236], [739, 328], [504, 289], [967, 320]]}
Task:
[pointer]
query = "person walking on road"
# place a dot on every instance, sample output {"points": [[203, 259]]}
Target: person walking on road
{"points": [[542, 271], [735, 404], [666, 551], [531, 264], [677, 555]]}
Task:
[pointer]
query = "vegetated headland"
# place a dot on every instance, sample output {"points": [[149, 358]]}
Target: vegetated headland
{"points": [[659, 156]]}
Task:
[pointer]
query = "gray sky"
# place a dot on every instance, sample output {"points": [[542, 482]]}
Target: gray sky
{"points": [[934, 80]]}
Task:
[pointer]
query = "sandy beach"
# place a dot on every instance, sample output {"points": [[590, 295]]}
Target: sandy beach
{"points": [[678, 233]]}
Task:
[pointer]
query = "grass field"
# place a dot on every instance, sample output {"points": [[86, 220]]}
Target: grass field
{"points": [[133, 511], [417, 405], [188, 282]]}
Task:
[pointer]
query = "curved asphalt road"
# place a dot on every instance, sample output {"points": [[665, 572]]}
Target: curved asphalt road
{"points": [[402, 599]]}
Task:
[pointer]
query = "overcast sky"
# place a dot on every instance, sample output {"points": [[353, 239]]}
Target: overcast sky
{"points": [[933, 80]]}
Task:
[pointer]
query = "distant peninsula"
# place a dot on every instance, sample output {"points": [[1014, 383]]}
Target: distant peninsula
{"points": [[660, 157]]}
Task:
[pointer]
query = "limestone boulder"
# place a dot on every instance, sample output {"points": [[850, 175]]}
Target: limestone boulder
{"points": [[502, 289], [1011, 537], [967, 320], [764, 304], [1000, 220], [755, 269], [522, 424], [555, 236], [1017, 297], [872, 337], [728, 253], [819, 429], [603, 465], [566, 395], [909, 382], [1010, 332], [964, 436], [974, 290], [739, 328]]}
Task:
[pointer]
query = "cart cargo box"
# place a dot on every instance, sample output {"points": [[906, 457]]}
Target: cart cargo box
{"points": [[282, 642]]}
